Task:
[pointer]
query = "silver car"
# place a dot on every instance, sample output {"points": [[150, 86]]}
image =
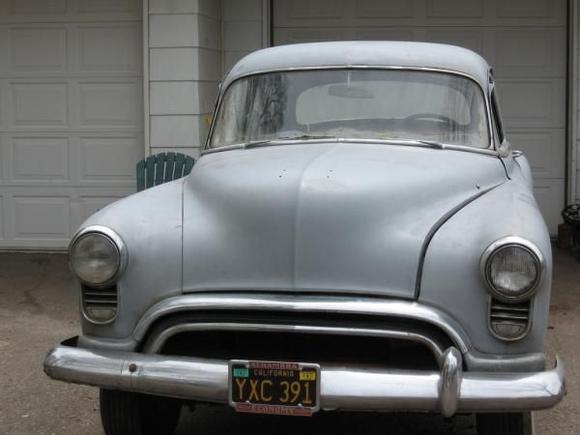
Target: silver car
{"points": [[357, 235]]}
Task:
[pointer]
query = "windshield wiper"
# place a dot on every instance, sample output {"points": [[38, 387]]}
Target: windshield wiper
{"points": [[259, 143], [407, 142], [432, 143]]}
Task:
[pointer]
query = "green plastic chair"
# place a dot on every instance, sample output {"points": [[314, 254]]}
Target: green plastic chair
{"points": [[161, 168]]}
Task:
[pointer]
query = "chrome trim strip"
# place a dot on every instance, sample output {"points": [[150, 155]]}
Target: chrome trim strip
{"points": [[230, 80], [341, 388], [395, 142], [506, 242], [305, 304], [157, 343], [437, 226]]}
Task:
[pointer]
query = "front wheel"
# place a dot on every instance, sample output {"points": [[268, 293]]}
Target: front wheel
{"points": [[504, 424], [125, 413]]}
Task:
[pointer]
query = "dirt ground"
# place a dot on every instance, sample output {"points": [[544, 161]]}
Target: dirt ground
{"points": [[38, 308]]}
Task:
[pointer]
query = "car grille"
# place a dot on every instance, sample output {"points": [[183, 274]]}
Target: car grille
{"points": [[509, 321], [290, 346], [317, 348], [95, 299]]}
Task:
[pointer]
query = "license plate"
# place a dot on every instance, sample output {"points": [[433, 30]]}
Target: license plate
{"points": [[273, 387]]}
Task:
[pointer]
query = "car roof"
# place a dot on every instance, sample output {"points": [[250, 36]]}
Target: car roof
{"points": [[378, 54]]}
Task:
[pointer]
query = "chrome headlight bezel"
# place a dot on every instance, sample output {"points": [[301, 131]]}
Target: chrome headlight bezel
{"points": [[115, 240], [507, 242]]}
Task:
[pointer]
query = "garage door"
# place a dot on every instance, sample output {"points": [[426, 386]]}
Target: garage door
{"points": [[524, 40], [70, 114]]}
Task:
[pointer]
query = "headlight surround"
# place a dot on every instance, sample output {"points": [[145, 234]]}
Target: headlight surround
{"points": [[513, 267], [97, 256]]}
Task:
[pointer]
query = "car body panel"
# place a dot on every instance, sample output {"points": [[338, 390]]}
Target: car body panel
{"points": [[454, 254], [368, 54], [149, 223], [330, 217]]}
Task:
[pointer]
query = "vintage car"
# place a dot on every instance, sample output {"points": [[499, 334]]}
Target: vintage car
{"points": [[358, 235]]}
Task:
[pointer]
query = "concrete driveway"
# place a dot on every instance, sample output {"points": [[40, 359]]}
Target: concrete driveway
{"points": [[38, 307]]}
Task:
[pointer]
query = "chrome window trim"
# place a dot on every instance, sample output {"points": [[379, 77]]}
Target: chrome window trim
{"points": [[402, 142], [503, 148], [123, 259], [157, 342], [485, 93], [305, 304], [506, 242]]}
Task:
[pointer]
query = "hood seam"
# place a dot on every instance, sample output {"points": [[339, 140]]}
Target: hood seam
{"points": [[297, 212], [436, 226]]}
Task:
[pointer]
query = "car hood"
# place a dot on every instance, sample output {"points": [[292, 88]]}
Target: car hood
{"points": [[332, 217]]}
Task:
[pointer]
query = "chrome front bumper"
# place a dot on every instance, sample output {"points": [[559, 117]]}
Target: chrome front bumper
{"points": [[341, 388]]}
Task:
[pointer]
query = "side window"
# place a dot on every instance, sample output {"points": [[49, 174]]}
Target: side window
{"points": [[498, 132]]}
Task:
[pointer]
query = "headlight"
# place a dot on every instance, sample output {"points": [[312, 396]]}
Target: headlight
{"points": [[98, 257], [94, 259], [512, 268]]}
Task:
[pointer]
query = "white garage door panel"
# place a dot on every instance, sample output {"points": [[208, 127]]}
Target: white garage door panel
{"points": [[537, 52], [45, 217], [548, 195], [39, 159], [524, 40], [37, 48], [37, 104], [339, 13], [109, 49], [533, 103], [70, 114], [543, 149], [109, 159], [40, 217], [109, 104], [14, 7], [49, 10]]}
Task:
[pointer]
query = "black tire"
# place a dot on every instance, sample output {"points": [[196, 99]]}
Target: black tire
{"points": [[504, 424], [125, 413]]}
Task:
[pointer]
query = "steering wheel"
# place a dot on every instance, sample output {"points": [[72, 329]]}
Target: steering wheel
{"points": [[430, 117]]}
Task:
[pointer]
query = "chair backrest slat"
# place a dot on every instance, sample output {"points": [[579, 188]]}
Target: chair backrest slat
{"points": [[169, 167], [188, 165], [161, 168], [141, 175], [150, 171], [179, 163]]}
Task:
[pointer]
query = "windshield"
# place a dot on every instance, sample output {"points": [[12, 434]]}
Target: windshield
{"points": [[353, 103]]}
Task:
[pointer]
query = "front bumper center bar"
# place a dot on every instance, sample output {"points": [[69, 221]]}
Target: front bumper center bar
{"points": [[341, 388]]}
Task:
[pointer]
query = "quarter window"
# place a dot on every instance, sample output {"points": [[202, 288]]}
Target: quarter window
{"points": [[497, 125]]}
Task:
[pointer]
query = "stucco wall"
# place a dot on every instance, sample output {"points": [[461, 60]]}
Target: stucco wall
{"points": [[183, 46]]}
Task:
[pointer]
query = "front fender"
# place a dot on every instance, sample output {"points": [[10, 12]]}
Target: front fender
{"points": [[452, 279], [150, 224]]}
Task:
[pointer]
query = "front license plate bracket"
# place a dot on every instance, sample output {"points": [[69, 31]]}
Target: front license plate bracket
{"points": [[274, 387]]}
